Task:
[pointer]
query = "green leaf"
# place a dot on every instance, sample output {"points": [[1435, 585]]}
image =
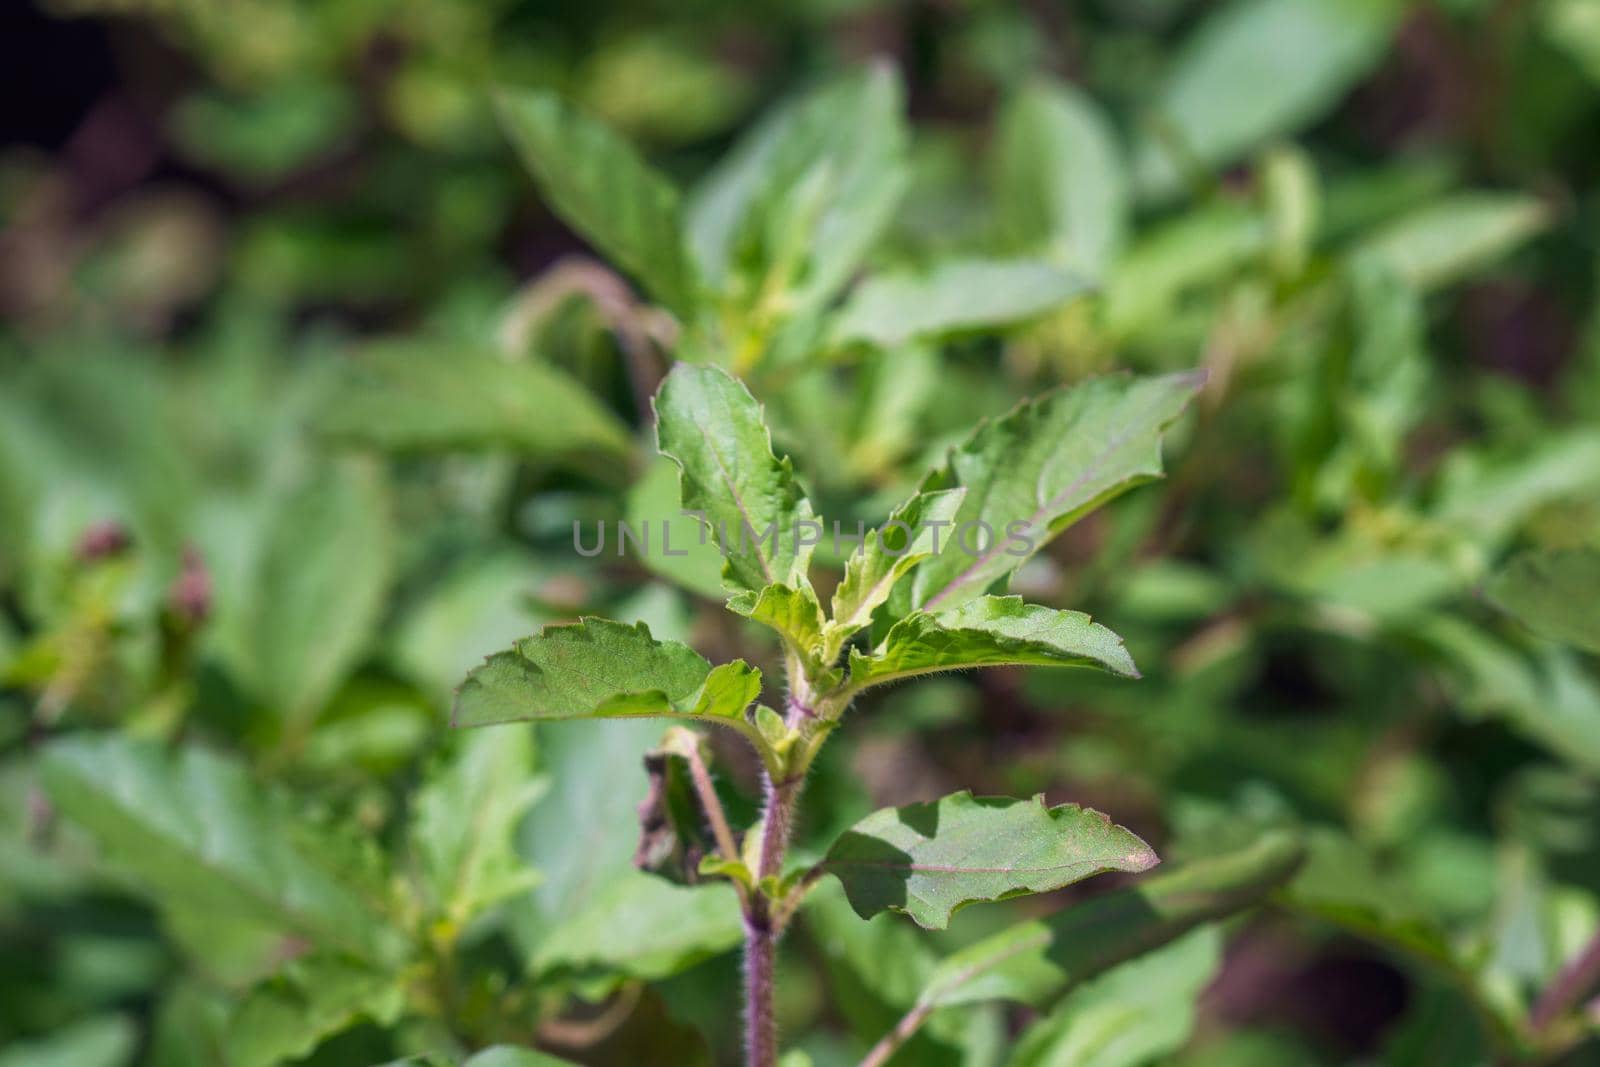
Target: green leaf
{"points": [[794, 613], [708, 422], [1033, 472], [507, 1056], [1037, 962], [464, 823], [597, 183], [1203, 247], [599, 669], [582, 833], [836, 157], [912, 534], [101, 1041], [642, 927], [1214, 107], [1451, 238], [311, 1000], [954, 297], [930, 859], [1060, 185], [685, 555], [1553, 592], [991, 631], [1544, 693], [1140, 1011], [318, 590], [201, 837], [426, 396]]}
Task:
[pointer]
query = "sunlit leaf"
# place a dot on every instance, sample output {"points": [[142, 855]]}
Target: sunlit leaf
{"points": [[930, 859]]}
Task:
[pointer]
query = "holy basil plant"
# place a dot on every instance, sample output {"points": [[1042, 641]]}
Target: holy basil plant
{"points": [[917, 596]]}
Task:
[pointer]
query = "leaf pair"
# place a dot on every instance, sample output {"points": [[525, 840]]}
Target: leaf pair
{"points": [[918, 581]]}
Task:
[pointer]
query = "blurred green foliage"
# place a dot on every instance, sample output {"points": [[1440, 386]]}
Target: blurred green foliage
{"points": [[305, 384]]}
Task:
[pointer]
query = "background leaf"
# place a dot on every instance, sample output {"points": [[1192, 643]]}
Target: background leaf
{"points": [[951, 298], [597, 183], [416, 396], [1553, 592]]}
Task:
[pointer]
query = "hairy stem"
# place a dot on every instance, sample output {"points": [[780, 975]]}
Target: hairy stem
{"points": [[1576, 979], [760, 931], [760, 1023]]}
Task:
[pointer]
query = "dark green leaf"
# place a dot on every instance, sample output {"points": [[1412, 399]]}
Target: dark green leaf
{"points": [[201, 837], [420, 396], [930, 859]]}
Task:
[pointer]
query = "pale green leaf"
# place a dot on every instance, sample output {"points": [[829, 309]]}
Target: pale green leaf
{"points": [[954, 297], [101, 1041], [913, 532], [1203, 247], [582, 833], [794, 613], [837, 157], [1033, 472], [465, 816], [930, 859], [424, 396], [708, 422], [1060, 182], [682, 551], [1554, 592], [990, 632], [642, 927], [599, 185], [1142, 1010], [201, 837], [1255, 70], [1453, 237]]}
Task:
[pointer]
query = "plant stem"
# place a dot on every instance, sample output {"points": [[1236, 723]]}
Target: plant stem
{"points": [[760, 1022], [1577, 978], [760, 932], [908, 1025]]}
